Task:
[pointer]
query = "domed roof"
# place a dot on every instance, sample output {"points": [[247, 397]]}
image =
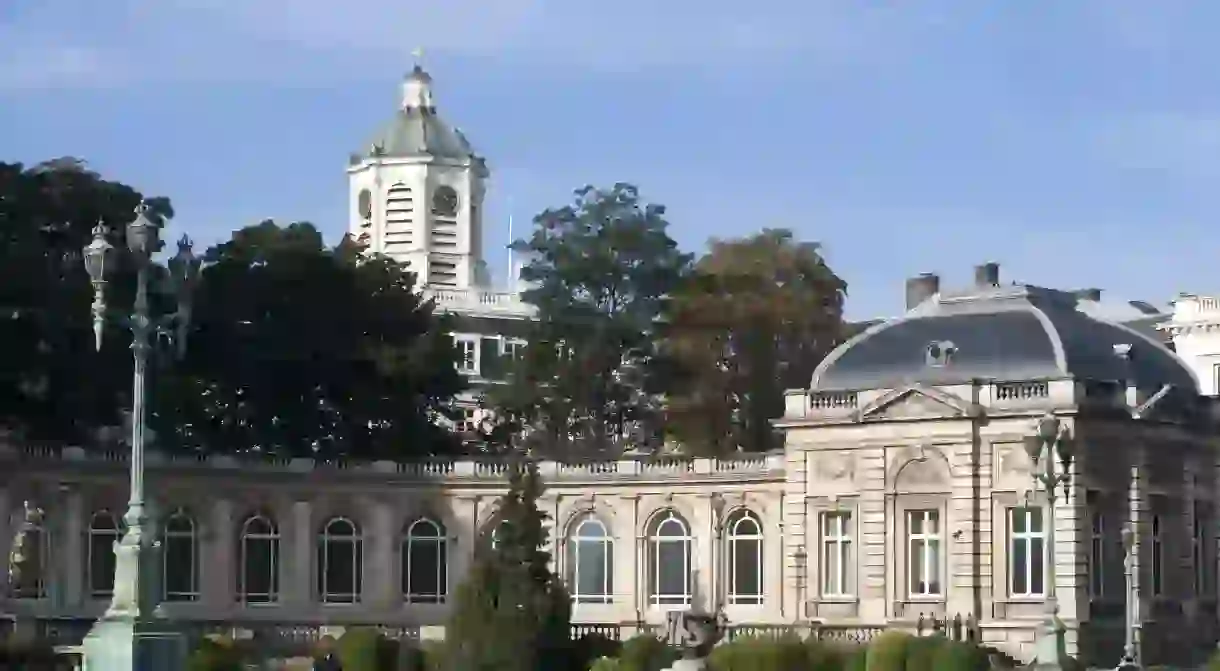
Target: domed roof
{"points": [[1012, 333], [417, 129]]}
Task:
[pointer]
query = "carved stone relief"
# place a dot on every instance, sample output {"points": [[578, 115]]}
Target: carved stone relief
{"points": [[834, 467], [919, 468], [914, 404]]}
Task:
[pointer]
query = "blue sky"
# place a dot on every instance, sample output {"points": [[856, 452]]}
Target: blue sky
{"points": [[1076, 143]]}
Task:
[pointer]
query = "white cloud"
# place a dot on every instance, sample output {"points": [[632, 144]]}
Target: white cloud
{"points": [[174, 40]]}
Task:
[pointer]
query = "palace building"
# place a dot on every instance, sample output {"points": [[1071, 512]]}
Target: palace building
{"points": [[904, 491]]}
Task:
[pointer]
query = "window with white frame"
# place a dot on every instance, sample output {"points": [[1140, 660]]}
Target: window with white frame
{"points": [[590, 560], [1026, 552], [924, 553], [836, 553], [669, 565], [1201, 552], [1216, 378], [180, 558], [258, 576], [424, 562], [1097, 552], [340, 562], [1157, 569], [512, 348], [467, 354], [103, 534], [745, 545]]}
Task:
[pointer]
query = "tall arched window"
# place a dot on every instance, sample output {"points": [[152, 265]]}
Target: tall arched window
{"points": [[103, 534], [340, 565], [258, 578], [181, 558], [590, 562], [669, 561], [745, 565], [425, 573]]}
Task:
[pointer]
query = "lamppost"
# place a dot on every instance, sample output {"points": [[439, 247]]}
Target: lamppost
{"points": [[131, 635], [1051, 438], [1130, 660]]}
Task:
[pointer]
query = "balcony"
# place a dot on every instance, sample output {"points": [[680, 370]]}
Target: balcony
{"points": [[481, 303]]}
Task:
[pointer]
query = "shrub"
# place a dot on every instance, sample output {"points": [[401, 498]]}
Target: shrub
{"points": [[605, 664], [646, 653], [589, 648], [411, 657], [215, 654], [921, 653], [832, 655], [857, 659], [888, 652], [365, 649], [960, 656]]}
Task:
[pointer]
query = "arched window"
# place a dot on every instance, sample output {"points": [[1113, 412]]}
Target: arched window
{"points": [[181, 559], [591, 562], [425, 573], [745, 565], [340, 565], [669, 561], [103, 534], [258, 578]]}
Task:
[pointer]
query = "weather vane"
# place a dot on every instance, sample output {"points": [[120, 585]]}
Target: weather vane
{"points": [[418, 54]]}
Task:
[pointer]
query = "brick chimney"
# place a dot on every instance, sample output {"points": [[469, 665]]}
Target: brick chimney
{"points": [[987, 275], [922, 287]]}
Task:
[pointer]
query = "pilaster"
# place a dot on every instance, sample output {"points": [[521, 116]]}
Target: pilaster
{"points": [[219, 556], [379, 590], [70, 570], [873, 536], [296, 569]]}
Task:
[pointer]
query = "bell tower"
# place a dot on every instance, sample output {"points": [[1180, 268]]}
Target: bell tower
{"points": [[416, 192]]}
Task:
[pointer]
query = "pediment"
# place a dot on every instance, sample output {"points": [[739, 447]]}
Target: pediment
{"points": [[916, 402]]}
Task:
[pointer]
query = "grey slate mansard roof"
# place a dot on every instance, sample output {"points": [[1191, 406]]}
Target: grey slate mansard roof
{"points": [[1005, 333]]}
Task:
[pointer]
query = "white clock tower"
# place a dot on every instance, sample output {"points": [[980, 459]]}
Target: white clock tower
{"points": [[416, 193]]}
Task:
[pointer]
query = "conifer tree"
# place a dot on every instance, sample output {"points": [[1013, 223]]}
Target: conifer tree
{"points": [[512, 612]]}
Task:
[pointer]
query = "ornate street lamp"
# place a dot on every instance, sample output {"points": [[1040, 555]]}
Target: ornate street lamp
{"points": [[1130, 660], [131, 634], [1051, 438]]}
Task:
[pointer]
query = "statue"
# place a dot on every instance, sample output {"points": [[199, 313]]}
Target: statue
{"points": [[695, 634]]}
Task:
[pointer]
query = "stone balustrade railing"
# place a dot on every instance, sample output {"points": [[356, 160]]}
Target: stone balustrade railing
{"points": [[765, 466]]}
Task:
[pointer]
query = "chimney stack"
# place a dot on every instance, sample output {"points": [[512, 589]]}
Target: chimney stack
{"points": [[922, 287], [987, 275], [1090, 294]]}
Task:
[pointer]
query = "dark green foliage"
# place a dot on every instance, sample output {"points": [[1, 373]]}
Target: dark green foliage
{"points": [[215, 655], [857, 660], [601, 270], [832, 656], [921, 653], [959, 656], [761, 654], [53, 385], [888, 652], [366, 649], [512, 613], [305, 350], [646, 653], [591, 647], [412, 657]]}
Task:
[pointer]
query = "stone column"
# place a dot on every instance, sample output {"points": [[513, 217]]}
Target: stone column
{"points": [[70, 571], [703, 530], [379, 591], [297, 558], [872, 527], [220, 556], [1137, 507]]}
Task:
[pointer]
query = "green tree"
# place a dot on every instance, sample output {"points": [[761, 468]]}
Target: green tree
{"points": [[512, 612], [298, 349], [753, 319], [601, 269], [53, 385]]}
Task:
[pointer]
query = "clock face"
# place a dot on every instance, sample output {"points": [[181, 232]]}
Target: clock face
{"points": [[445, 202], [364, 203]]}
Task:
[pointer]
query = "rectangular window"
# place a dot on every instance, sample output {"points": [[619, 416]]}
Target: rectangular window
{"points": [[1158, 558], [1026, 552], [467, 354], [923, 553], [512, 348], [836, 554], [1215, 378], [1097, 554]]}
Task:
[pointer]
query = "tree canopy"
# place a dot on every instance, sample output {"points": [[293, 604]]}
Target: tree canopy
{"points": [[53, 385], [303, 350], [600, 270], [753, 319], [512, 612], [295, 348]]}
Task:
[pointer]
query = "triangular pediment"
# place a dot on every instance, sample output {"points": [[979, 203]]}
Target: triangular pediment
{"points": [[916, 402]]}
